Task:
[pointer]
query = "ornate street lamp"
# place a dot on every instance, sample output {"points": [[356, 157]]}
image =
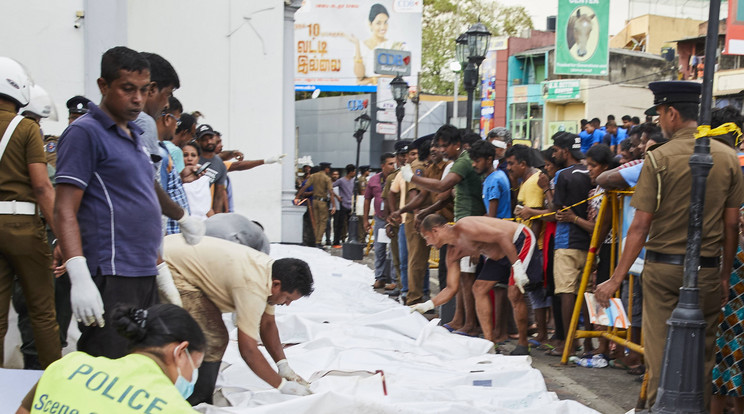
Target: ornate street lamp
{"points": [[400, 92], [476, 47], [352, 248]]}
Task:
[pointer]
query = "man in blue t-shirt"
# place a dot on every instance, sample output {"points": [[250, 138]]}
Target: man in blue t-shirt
{"points": [[589, 136], [496, 188], [614, 136]]}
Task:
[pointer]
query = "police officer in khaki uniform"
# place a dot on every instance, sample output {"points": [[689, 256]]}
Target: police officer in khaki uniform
{"points": [[77, 106], [662, 202], [322, 195], [25, 190]]}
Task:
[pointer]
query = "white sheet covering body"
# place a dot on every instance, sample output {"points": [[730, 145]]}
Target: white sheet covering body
{"points": [[348, 329]]}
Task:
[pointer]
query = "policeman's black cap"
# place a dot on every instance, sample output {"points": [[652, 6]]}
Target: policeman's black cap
{"points": [[669, 92], [417, 143], [204, 129], [78, 104], [401, 147], [363, 168], [324, 165]]}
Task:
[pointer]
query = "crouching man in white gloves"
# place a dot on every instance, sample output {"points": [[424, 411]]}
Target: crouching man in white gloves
{"points": [[509, 257], [219, 275]]}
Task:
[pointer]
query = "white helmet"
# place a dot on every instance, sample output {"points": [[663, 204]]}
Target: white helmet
{"points": [[41, 104], [14, 81]]}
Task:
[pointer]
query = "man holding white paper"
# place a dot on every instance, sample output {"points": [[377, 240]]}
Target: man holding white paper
{"points": [[374, 193]]}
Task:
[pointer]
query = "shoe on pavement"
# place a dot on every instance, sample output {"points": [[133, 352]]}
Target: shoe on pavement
{"points": [[379, 284], [394, 292], [520, 350], [390, 286], [336, 246]]}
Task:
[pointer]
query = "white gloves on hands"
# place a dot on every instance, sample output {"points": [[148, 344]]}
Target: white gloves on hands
{"points": [[293, 388], [275, 159], [286, 372], [423, 307], [192, 228], [85, 298], [406, 172], [166, 286], [520, 276]]}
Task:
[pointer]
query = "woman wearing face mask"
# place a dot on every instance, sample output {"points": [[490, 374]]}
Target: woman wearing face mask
{"points": [[167, 348]]}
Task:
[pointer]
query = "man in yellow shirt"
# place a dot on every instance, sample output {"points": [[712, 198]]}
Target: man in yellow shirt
{"points": [[218, 276]]}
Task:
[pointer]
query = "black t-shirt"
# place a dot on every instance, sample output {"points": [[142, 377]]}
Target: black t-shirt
{"points": [[571, 186]]}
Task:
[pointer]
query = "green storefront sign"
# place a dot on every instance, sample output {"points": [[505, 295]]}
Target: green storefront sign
{"points": [[561, 90], [582, 37]]}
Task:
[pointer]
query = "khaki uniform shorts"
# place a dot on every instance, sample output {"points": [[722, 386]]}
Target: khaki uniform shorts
{"points": [[568, 265]]}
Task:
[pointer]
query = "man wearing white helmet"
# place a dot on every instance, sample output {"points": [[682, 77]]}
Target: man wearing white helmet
{"points": [[25, 191], [41, 107]]}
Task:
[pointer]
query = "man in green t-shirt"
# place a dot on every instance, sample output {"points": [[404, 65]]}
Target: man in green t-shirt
{"points": [[468, 202]]}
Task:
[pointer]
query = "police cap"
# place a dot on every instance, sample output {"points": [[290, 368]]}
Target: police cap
{"points": [[417, 143], [324, 165], [78, 104], [669, 92], [401, 147]]}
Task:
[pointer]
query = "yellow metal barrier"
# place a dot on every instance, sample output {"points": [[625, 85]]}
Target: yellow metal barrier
{"points": [[610, 201]]}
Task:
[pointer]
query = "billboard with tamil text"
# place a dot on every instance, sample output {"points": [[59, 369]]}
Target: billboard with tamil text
{"points": [[336, 43]]}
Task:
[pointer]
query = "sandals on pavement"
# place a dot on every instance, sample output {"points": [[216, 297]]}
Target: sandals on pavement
{"points": [[520, 350]]}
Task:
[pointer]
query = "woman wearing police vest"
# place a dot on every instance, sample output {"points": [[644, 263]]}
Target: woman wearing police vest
{"points": [[167, 348]]}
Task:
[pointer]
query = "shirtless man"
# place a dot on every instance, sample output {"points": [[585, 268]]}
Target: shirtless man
{"points": [[508, 248]]}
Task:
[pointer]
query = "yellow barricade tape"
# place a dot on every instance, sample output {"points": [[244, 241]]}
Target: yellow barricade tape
{"points": [[706, 131]]}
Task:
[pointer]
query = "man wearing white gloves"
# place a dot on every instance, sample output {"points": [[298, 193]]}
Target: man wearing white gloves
{"points": [[107, 202], [510, 257], [222, 275]]}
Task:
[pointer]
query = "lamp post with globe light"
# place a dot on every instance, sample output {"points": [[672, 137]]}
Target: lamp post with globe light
{"points": [[352, 249], [474, 50]]}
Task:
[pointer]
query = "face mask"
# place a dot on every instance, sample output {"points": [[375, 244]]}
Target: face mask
{"points": [[182, 385]]}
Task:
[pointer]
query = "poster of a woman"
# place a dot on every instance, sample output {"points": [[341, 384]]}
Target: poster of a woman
{"points": [[364, 51]]}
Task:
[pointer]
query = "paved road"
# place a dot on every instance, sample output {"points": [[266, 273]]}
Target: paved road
{"points": [[607, 390]]}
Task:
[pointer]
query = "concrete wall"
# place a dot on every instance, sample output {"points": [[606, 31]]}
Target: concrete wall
{"points": [[659, 31], [228, 55]]}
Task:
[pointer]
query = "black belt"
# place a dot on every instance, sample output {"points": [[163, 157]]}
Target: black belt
{"points": [[679, 259], [326, 199]]}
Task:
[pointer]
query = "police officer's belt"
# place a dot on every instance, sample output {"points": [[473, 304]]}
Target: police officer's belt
{"points": [[326, 199], [23, 208], [679, 259]]}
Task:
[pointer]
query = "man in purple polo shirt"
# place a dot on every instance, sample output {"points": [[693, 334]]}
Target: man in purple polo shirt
{"points": [[374, 192], [106, 197]]}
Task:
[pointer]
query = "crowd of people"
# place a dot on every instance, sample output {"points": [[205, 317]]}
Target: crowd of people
{"points": [[518, 277], [511, 226], [128, 208]]}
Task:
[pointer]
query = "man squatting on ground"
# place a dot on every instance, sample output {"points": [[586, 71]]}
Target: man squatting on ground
{"points": [[506, 245]]}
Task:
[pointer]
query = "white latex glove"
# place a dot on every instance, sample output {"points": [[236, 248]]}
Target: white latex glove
{"points": [[422, 307], [520, 276], [166, 286], [293, 388], [192, 228], [274, 159], [406, 172], [286, 372], [85, 298]]}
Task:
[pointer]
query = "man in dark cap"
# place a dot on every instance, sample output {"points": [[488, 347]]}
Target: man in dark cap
{"points": [[77, 106], [571, 185], [322, 195], [662, 200]]}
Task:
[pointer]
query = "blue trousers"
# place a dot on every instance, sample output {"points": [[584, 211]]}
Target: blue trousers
{"points": [[382, 259]]}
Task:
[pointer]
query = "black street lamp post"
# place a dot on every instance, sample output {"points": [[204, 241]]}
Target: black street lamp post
{"points": [[400, 91], [352, 248], [476, 39]]}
